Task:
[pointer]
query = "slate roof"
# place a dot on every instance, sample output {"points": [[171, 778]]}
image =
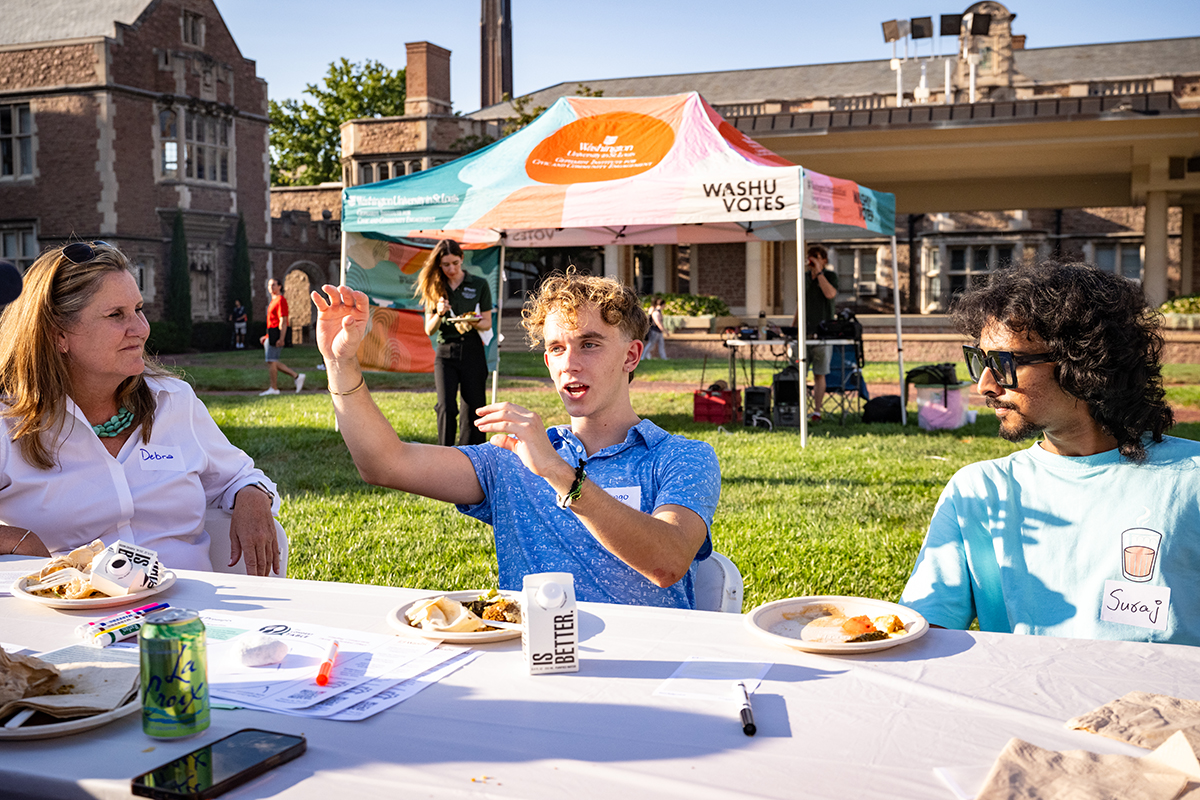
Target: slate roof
{"points": [[31, 21], [1048, 65]]}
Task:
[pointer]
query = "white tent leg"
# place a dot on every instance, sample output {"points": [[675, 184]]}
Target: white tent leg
{"points": [[801, 320], [499, 319], [896, 306]]}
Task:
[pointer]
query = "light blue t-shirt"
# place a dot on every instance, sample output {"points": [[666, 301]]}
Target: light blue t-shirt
{"points": [[1027, 543], [651, 468]]}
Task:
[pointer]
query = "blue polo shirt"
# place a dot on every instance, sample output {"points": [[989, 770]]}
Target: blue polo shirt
{"points": [[651, 468]]}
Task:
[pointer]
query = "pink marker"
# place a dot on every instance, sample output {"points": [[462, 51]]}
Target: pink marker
{"points": [[89, 629]]}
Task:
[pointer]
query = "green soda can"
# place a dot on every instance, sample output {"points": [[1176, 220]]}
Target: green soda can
{"points": [[174, 676]]}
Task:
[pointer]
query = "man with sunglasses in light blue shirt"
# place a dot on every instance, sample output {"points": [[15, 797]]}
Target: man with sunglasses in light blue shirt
{"points": [[1093, 531]]}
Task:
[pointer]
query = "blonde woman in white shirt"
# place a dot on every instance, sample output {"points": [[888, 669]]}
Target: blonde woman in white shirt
{"points": [[99, 444]]}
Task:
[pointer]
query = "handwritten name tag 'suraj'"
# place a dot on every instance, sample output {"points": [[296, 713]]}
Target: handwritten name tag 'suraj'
{"points": [[1138, 604], [174, 677]]}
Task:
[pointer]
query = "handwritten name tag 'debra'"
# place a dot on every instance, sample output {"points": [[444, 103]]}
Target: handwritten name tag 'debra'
{"points": [[160, 457]]}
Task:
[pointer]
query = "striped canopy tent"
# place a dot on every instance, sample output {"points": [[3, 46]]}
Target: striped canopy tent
{"points": [[629, 170]]}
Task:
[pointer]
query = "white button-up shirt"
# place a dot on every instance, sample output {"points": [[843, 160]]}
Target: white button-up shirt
{"points": [[153, 493]]}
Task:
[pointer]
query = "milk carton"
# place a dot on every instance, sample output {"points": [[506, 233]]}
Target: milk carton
{"points": [[125, 568], [550, 639]]}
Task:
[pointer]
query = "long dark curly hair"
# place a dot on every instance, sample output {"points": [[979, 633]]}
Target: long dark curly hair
{"points": [[1105, 339]]}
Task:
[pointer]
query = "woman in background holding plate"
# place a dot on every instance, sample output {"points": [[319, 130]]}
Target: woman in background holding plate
{"points": [[448, 293], [97, 443]]}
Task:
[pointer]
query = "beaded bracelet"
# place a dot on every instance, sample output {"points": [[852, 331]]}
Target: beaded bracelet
{"points": [[361, 383], [564, 501]]}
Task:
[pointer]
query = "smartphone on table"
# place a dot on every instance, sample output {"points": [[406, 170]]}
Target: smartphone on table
{"points": [[216, 768]]}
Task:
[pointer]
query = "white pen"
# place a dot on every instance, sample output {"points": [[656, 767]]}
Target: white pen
{"points": [[748, 726]]}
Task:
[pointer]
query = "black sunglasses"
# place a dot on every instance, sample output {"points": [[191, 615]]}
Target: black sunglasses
{"points": [[81, 252], [1002, 363]]}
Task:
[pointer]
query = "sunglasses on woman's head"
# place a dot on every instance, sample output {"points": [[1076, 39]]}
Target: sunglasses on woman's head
{"points": [[1002, 363], [81, 252]]}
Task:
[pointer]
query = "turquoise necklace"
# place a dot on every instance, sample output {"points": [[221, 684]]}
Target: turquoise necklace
{"points": [[119, 422]]}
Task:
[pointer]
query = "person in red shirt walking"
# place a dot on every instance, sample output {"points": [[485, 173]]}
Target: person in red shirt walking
{"points": [[277, 323]]}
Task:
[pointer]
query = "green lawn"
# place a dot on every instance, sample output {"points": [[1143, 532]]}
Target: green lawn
{"points": [[843, 516]]}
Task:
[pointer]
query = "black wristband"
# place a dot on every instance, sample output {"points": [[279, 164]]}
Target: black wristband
{"points": [[564, 501]]}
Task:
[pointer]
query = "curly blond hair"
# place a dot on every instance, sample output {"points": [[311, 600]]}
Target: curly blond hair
{"points": [[567, 293]]}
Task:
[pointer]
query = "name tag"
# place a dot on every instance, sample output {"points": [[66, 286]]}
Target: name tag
{"points": [[1135, 604], [629, 495], [161, 457]]}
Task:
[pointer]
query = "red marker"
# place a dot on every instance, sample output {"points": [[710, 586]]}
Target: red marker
{"points": [[327, 665]]}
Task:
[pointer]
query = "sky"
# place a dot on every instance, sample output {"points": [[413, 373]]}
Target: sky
{"points": [[556, 41]]}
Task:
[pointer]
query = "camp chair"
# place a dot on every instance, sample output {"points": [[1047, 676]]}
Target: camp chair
{"points": [[845, 387], [717, 585], [217, 522]]}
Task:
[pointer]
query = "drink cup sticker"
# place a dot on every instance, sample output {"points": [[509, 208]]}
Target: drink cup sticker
{"points": [[1139, 553]]}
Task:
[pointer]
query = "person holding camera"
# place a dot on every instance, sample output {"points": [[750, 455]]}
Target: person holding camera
{"points": [[277, 323], [820, 290]]}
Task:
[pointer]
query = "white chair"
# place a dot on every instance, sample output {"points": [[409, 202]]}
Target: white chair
{"points": [[217, 522], [717, 584]]}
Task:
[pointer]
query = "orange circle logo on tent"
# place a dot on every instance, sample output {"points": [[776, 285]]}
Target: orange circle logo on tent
{"points": [[605, 147]]}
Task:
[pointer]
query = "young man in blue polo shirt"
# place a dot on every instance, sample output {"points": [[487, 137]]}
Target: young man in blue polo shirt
{"points": [[611, 498]]}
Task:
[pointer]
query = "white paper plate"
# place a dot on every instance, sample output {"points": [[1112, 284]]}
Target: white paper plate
{"points": [[397, 619], [771, 621], [18, 590], [67, 727]]}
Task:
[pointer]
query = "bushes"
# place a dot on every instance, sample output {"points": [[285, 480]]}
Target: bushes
{"points": [[689, 305], [165, 337], [1182, 305]]}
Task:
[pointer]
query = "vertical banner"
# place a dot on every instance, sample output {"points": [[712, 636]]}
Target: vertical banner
{"points": [[386, 271]]}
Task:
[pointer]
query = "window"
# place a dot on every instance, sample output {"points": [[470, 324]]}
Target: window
{"points": [[365, 174], [16, 141], [193, 29], [855, 269], [951, 269], [383, 172], [168, 135], [206, 142], [1122, 258], [202, 259], [19, 245]]}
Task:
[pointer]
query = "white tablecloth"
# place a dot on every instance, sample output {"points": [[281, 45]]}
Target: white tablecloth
{"points": [[864, 727]]}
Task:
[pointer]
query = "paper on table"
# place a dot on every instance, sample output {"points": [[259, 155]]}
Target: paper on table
{"points": [[10, 576], [291, 684], [402, 691], [80, 652], [1140, 718], [356, 694], [708, 679], [370, 698]]}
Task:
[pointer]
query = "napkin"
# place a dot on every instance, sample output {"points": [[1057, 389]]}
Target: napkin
{"points": [[83, 689], [1140, 718], [1025, 770], [21, 675]]}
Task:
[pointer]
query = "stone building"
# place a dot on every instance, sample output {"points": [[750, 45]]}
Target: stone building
{"points": [[117, 114]]}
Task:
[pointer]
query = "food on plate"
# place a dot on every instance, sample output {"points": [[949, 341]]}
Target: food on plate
{"points": [[449, 615], [24, 676], [823, 622], [95, 571]]}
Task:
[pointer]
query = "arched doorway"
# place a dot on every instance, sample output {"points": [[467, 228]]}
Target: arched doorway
{"points": [[297, 288]]}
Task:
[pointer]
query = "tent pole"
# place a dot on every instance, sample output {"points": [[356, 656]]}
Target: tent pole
{"points": [[499, 319], [342, 262], [899, 340], [801, 315]]}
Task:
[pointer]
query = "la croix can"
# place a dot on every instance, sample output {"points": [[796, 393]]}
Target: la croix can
{"points": [[174, 677]]}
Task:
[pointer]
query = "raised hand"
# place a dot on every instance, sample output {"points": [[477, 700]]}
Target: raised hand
{"points": [[341, 321], [520, 430]]}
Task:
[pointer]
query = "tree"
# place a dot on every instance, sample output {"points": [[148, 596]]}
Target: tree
{"points": [[239, 279], [306, 140], [179, 287]]}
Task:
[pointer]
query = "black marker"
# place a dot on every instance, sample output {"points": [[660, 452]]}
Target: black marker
{"points": [[748, 726]]}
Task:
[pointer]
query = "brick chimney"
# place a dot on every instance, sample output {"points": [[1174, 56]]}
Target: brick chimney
{"points": [[427, 80]]}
